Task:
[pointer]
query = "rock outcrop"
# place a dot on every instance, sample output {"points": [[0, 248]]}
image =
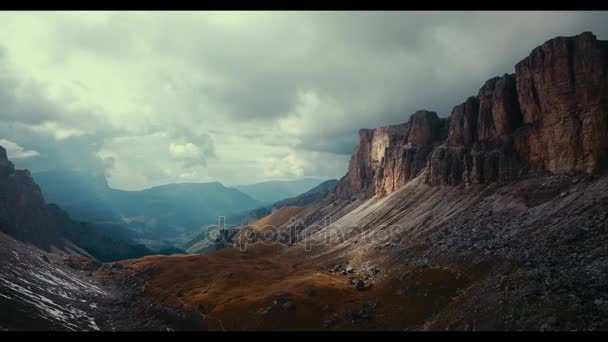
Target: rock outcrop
{"points": [[480, 146], [388, 157], [551, 115], [23, 212], [562, 89]]}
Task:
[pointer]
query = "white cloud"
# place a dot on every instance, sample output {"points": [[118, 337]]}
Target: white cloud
{"points": [[284, 167], [15, 151], [187, 151], [57, 131]]}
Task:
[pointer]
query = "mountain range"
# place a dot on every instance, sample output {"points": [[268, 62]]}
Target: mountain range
{"points": [[160, 216]]}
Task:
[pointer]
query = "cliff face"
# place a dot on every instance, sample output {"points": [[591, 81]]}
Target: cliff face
{"points": [[479, 148], [23, 212], [562, 89], [388, 157], [552, 114]]}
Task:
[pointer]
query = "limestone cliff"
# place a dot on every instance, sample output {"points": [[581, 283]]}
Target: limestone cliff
{"points": [[551, 115]]}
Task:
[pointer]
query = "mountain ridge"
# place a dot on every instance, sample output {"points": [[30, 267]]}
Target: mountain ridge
{"points": [[550, 115]]}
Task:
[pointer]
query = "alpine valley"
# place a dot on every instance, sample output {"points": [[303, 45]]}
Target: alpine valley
{"points": [[493, 216]]}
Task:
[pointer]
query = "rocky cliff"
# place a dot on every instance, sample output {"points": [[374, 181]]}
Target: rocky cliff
{"points": [[562, 89], [23, 212], [387, 157], [550, 115]]}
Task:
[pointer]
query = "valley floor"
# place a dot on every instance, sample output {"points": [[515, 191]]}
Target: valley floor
{"points": [[527, 255]]}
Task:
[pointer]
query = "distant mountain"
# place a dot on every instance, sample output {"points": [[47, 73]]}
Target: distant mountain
{"points": [[168, 212], [309, 196], [85, 197], [298, 201], [273, 191]]}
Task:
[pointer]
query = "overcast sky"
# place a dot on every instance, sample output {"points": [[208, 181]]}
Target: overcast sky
{"points": [[151, 98]]}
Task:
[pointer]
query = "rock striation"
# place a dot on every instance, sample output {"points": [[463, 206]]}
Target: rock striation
{"points": [[550, 115]]}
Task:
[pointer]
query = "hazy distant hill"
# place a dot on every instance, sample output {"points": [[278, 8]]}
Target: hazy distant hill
{"points": [[273, 191], [160, 213], [298, 201]]}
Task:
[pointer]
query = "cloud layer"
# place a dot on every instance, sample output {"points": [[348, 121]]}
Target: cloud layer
{"points": [[150, 98]]}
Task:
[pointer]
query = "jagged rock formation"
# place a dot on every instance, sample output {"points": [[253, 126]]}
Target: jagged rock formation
{"points": [[551, 115]]}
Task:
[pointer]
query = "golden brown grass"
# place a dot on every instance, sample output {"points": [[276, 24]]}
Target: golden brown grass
{"points": [[233, 287]]}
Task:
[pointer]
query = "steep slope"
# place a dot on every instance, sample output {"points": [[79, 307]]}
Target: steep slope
{"points": [[42, 291], [494, 219]]}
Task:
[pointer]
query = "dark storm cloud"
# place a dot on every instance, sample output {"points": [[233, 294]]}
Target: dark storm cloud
{"points": [[22, 101], [380, 67], [236, 91]]}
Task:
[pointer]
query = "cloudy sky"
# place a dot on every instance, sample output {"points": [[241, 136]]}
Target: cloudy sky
{"points": [[150, 98]]}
